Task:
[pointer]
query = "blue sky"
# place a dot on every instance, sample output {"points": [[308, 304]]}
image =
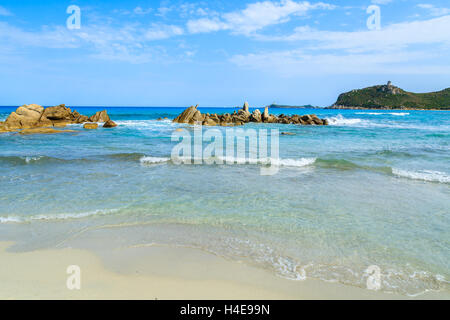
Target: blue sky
{"points": [[217, 53]]}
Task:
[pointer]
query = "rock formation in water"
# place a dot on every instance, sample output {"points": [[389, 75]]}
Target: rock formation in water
{"points": [[32, 116], [110, 124], [90, 125], [192, 116]]}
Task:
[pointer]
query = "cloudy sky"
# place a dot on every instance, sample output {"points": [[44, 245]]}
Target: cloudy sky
{"points": [[217, 53]]}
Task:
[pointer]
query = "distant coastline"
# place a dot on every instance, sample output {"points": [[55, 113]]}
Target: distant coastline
{"points": [[384, 97], [279, 106], [390, 97], [381, 109]]}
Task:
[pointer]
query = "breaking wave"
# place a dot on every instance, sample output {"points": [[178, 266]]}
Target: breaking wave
{"points": [[424, 175], [55, 217], [339, 120], [302, 162], [24, 160], [153, 160]]}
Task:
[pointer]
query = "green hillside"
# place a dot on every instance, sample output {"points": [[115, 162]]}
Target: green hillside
{"points": [[391, 97]]}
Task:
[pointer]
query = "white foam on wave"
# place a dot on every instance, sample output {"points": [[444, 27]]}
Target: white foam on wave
{"points": [[55, 217], [301, 162], [339, 120], [153, 160], [31, 159], [424, 175], [10, 220]]}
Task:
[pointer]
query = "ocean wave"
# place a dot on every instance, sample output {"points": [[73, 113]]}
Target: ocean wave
{"points": [[25, 160], [401, 280], [424, 175], [339, 120], [45, 160], [394, 153], [125, 156], [31, 159], [55, 217], [42, 160], [145, 123], [301, 162], [153, 160]]}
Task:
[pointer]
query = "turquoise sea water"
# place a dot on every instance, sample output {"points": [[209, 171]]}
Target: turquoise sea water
{"points": [[373, 188]]}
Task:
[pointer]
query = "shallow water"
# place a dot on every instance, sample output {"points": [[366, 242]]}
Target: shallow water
{"points": [[370, 189]]}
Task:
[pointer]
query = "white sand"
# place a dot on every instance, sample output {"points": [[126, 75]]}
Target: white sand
{"points": [[156, 273]]}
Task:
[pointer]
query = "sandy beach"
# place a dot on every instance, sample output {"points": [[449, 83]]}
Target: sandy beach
{"points": [[157, 273]]}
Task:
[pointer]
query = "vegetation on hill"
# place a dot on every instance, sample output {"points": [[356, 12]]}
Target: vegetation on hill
{"points": [[391, 97]]}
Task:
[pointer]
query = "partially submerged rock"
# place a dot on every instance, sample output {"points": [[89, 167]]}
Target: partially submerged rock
{"points": [[34, 116], [90, 125], [42, 131], [187, 115], [193, 116], [101, 116], [110, 124], [62, 124], [25, 117]]}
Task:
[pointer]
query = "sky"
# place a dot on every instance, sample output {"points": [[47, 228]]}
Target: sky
{"points": [[218, 53]]}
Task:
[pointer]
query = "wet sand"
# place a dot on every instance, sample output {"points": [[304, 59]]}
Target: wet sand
{"points": [[156, 272]]}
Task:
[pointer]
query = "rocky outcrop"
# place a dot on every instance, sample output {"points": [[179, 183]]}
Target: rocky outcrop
{"points": [[110, 124], [246, 107], [58, 113], [33, 116], [265, 116], [25, 117], [256, 116], [187, 115], [193, 116], [101, 116]]}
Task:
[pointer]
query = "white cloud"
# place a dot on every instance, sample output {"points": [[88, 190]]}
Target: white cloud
{"points": [[255, 16], [397, 35], [434, 11], [159, 32], [202, 12], [132, 43], [381, 1], [298, 62], [58, 37], [138, 10], [163, 11], [400, 48], [205, 25], [5, 12]]}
